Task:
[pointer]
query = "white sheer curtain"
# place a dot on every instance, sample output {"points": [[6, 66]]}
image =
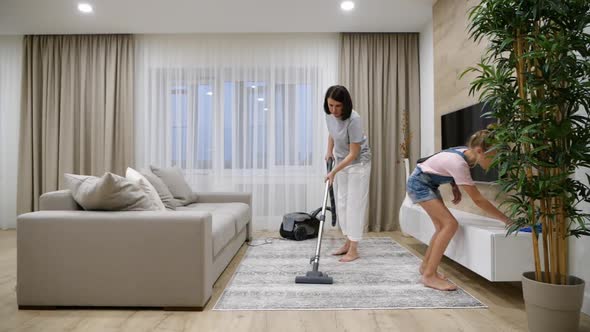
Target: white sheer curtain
{"points": [[10, 78], [239, 112]]}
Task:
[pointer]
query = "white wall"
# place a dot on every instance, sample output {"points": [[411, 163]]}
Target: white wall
{"points": [[10, 77], [427, 90], [579, 250]]}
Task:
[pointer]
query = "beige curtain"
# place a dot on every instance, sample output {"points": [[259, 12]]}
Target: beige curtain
{"points": [[76, 110], [381, 71]]}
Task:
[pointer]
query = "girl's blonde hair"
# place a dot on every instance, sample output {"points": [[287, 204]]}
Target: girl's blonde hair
{"points": [[478, 139]]}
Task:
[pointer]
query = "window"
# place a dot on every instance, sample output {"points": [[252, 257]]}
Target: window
{"points": [[226, 122], [191, 109], [294, 122], [247, 126]]}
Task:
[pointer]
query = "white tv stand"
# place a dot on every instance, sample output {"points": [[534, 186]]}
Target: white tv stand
{"points": [[480, 243]]}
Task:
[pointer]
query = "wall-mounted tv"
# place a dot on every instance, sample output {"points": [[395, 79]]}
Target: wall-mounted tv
{"points": [[457, 127]]}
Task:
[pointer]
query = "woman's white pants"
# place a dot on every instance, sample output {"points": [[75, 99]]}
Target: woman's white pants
{"points": [[352, 192]]}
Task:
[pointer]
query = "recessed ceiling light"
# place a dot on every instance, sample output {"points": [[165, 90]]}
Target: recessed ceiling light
{"points": [[260, 99], [347, 5], [209, 93], [85, 8], [253, 86]]}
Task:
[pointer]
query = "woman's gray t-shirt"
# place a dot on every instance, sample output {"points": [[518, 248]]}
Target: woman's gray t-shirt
{"points": [[345, 132]]}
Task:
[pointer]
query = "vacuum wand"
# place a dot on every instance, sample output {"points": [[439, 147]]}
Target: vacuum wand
{"points": [[316, 258], [315, 276]]}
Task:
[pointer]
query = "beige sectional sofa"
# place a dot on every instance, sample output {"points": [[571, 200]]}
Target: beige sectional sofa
{"points": [[70, 257]]}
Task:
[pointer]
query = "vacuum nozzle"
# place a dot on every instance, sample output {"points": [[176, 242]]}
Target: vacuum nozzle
{"points": [[314, 277]]}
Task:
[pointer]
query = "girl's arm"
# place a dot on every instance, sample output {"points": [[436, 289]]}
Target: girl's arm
{"points": [[484, 204], [354, 150], [456, 193]]}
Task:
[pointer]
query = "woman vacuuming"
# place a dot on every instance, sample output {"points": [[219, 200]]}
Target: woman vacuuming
{"points": [[350, 147]]}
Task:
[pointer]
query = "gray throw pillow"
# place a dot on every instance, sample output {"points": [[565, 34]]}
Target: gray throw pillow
{"points": [[161, 188], [110, 192], [174, 180]]}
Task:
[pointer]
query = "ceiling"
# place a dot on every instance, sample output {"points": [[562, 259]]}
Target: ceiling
{"points": [[213, 16]]}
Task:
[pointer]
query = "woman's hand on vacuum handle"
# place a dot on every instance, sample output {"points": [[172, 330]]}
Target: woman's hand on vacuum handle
{"points": [[330, 178], [329, 155]]}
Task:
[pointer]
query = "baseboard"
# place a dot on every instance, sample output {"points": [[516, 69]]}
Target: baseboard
{"points": [[37, 307], [586, 304], [183, 308]]}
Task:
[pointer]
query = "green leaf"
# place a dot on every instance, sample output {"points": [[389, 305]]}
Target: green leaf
{"points": [[550, 126], [560, 130]]}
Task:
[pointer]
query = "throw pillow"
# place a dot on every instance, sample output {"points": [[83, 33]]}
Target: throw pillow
{"points": [[110, 192], [145, 184], [161, 188], [174, 180]]}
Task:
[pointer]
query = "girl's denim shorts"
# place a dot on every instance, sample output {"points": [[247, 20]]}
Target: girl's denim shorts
{"points": [[422, 187]]}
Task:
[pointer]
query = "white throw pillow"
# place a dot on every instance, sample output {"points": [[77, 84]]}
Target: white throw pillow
{"points": [[145, 184], [110, 192]]}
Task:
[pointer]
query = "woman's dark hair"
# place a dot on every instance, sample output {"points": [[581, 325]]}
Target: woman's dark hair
{"points": [[339, 94]]}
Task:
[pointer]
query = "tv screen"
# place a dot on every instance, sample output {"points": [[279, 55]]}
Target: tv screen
{"points": [[457, 127]]}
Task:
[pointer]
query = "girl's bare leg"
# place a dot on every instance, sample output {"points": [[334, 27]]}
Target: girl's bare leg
{"points": [[429, 250], [437, 210]]}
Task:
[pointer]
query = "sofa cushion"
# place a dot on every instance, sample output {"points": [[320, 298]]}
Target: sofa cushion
{"points": [[163, 191], [61, 200], [145, 184], [174, 180], [224, 230], [240, 212], [110, 192]]}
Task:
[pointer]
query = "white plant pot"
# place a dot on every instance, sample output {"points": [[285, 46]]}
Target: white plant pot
{"points": [[552, 307], [407, 168], [407, 201]]}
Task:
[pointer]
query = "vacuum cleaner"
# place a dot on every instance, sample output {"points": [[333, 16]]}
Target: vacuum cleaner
{"points": [[315, 276]]}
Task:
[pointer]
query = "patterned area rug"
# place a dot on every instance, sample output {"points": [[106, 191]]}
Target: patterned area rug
{"points": [[385, 277]]}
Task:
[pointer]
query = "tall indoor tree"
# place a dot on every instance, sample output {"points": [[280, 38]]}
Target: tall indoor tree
{"points": [[534, 79]]}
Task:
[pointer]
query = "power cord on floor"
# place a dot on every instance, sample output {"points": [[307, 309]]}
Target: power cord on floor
{"points": [[262, 242]]}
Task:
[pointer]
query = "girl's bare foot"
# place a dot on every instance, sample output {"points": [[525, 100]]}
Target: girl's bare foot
{"points": [[437, 283], [438, 274], [349, 257], [341, 251]]}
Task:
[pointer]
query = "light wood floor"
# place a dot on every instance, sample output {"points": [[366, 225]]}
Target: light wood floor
{"points": [[505, 310]]}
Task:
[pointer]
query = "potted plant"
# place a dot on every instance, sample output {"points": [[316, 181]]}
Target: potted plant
{"points": [[404, 146], [405, 154], [535, 79]]}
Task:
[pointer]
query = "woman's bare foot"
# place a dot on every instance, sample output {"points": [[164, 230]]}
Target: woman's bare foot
{"points": [[349, 257], [437, 283], [438, 274], [342, 250]]}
